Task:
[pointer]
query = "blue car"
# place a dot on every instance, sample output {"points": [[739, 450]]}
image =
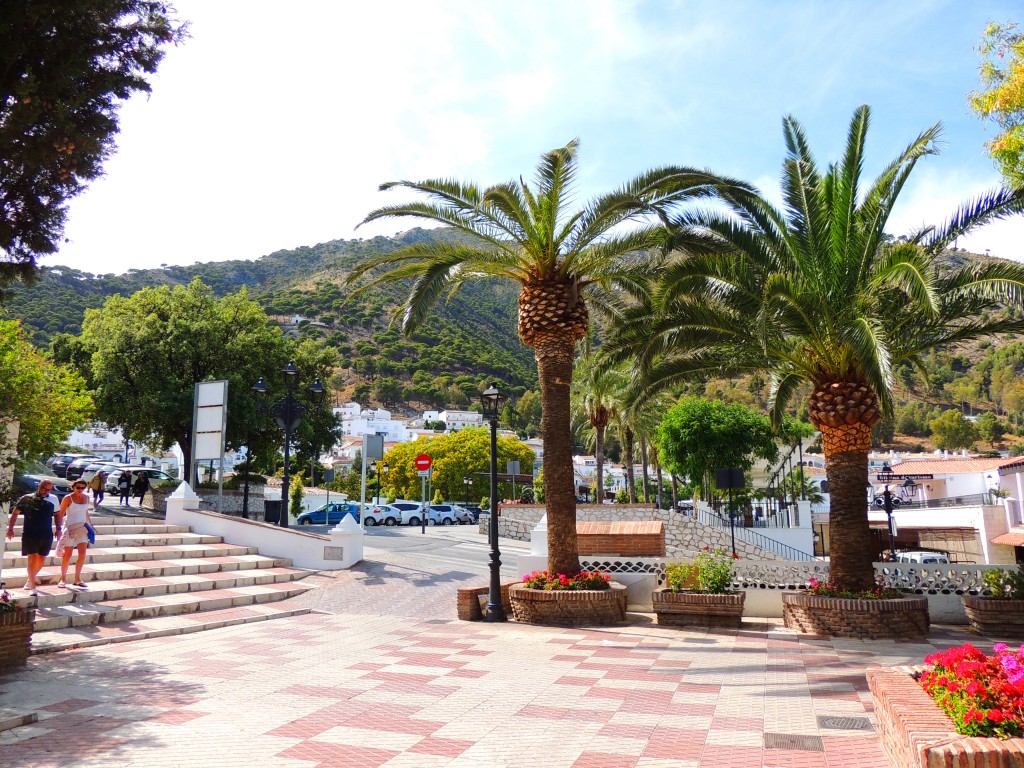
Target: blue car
{"points": [[329, 513]]}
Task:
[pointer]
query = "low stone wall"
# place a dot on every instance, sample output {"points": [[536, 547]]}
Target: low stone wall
{"points": [[15, 637], [233, 501], [905, 618], [915, 733], [683, 534]]}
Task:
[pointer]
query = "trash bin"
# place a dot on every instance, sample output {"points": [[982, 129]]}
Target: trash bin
{"points": [[272, 511]]}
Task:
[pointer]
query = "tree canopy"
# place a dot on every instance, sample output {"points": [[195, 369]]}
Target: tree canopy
{"points": [[65, 67], [146, 353], [698, 436], [1001, 97], [46, 398]]}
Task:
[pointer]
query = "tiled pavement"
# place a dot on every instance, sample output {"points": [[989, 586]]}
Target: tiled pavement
{"points": [[382, 674]]}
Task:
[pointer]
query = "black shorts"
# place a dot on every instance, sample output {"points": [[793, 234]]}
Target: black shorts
{"points": [[36, 545]]}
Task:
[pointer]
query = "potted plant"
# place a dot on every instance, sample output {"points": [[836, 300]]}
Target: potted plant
{"points": [[583, 599], [882, 612], [700, 593], [15, 631], [1001, 611]]}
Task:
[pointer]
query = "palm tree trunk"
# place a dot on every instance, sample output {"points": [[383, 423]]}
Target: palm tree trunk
{"points": [[661, 485], [643, 470], [554, 369], [627, 445], [850, 567], [599, 458]]}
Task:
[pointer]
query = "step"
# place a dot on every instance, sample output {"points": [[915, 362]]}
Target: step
{"points": [[101, 590], [150, 528], [160, 626], [136, 608], [105, 540], [14, 578], [134, 554]]}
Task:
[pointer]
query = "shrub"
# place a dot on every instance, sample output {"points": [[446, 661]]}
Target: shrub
{"points": [[711, 571], [1004, 584], [7, 605], [559, 581]]}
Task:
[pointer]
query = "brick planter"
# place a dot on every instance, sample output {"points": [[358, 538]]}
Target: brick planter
{"points": [[917, 734], [472, 601], [698, 609], [569, 608], [903, 617], [15, 637], [994, 618]]}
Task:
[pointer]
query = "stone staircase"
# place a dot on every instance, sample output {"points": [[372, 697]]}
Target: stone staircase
{"points": [[145, 578]]}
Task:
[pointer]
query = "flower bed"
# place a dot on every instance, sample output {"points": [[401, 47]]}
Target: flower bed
{"points": [[967, 709], [584, 599], [698, 594], [15, 632]]}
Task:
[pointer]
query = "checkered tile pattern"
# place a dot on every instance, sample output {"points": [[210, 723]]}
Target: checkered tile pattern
{"points": [[356, 690]]}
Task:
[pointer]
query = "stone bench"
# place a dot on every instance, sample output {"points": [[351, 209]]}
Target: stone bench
{"points": [[472, 601], [621, 538]]}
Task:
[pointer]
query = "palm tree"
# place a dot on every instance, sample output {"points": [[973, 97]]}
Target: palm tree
{"points": [[816, 293], [595, 396], [560, 256]]}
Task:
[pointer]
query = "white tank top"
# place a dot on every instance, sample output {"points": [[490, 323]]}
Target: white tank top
{"points": [[75, 514]]}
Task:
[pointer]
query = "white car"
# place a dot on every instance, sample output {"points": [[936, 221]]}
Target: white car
{"points": [[449, 514], [412, 512], [380, 514]]}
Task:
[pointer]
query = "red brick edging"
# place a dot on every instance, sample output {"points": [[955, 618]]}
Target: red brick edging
{"points": [[698, 609], [569, 608], [917, 734], [994, 618], [15, 637], [903, 617]]}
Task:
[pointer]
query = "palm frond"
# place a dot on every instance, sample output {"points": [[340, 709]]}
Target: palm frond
{"points": [[991, 206]]}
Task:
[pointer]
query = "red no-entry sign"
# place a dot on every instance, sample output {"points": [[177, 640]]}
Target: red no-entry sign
{"points": [[423, 462]]}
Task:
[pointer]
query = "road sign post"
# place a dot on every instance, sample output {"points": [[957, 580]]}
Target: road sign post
{"points": [[423, 463]]}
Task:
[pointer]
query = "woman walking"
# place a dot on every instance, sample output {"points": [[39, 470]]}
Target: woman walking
{"points": [[141, 485], [75, 509], [124, 487], [98, 486]]}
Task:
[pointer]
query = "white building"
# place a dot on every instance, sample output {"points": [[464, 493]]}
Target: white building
{"points": [[357, 421]]}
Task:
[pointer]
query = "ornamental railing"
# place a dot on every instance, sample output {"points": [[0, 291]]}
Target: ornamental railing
{"points": [[716, 520]]}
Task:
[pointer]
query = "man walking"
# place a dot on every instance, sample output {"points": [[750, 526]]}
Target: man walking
{"points": [[37, 528]]}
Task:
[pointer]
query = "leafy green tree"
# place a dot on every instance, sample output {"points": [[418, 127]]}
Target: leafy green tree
{"points": [[455, 455], [951, 431], [148, 351], [47, 399], [65, 67], [297, 493], [561, 259], [698, 436], [990, 428], [1001, 98], [816, 294]]}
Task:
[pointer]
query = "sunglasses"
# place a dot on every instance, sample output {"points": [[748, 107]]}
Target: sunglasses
{"points": [[79, 486]]}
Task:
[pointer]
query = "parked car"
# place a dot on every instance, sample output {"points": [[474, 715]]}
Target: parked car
{"points": [[91, 469], [412, 511], [473, 510], [58, 463], [75, 469], [329, 513], [157, 477], [921, 557], [383, 514], [33, 474], [449, 514]]}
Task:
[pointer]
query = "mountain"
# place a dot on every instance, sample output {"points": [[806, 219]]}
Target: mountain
{"points": [[470, 337]]}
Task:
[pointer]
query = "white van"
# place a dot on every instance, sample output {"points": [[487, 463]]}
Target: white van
{"points": [[921, 557]]}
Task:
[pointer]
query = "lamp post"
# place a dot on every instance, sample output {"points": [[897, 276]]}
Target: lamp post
{"points": [[491, 402], [288, 415], [467, 481]]}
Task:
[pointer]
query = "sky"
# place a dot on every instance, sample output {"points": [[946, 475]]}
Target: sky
{"points": [[274, 124]]}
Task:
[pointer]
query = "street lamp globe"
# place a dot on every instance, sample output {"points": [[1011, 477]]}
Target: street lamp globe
{"points": [[491, 402]]}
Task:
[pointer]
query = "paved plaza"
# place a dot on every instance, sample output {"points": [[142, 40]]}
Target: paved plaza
{"points": [[381, 673]]}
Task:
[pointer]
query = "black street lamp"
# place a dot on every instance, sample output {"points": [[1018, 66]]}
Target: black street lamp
{"points": [[288, 415], [491, 402], [468, 482], [376, 470]]}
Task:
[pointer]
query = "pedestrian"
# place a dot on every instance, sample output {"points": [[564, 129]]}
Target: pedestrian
{"points": [[141, 485], [124, 487], [98, 485], [75, 512], [37, 530]]}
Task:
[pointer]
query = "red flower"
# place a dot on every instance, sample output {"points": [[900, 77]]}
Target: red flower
{"points": [[973, 715], [995, 715], [975, 688]]}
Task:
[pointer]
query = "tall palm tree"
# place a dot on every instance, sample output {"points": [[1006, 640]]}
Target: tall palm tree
{"points": [[596, 395], [562, 257], [816, 293]]}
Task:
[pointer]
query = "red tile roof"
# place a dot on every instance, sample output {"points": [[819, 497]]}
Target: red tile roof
{"points": [[959, 466]]}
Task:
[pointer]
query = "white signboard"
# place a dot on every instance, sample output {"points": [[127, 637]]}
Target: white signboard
{"points": [[209, 426]]}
